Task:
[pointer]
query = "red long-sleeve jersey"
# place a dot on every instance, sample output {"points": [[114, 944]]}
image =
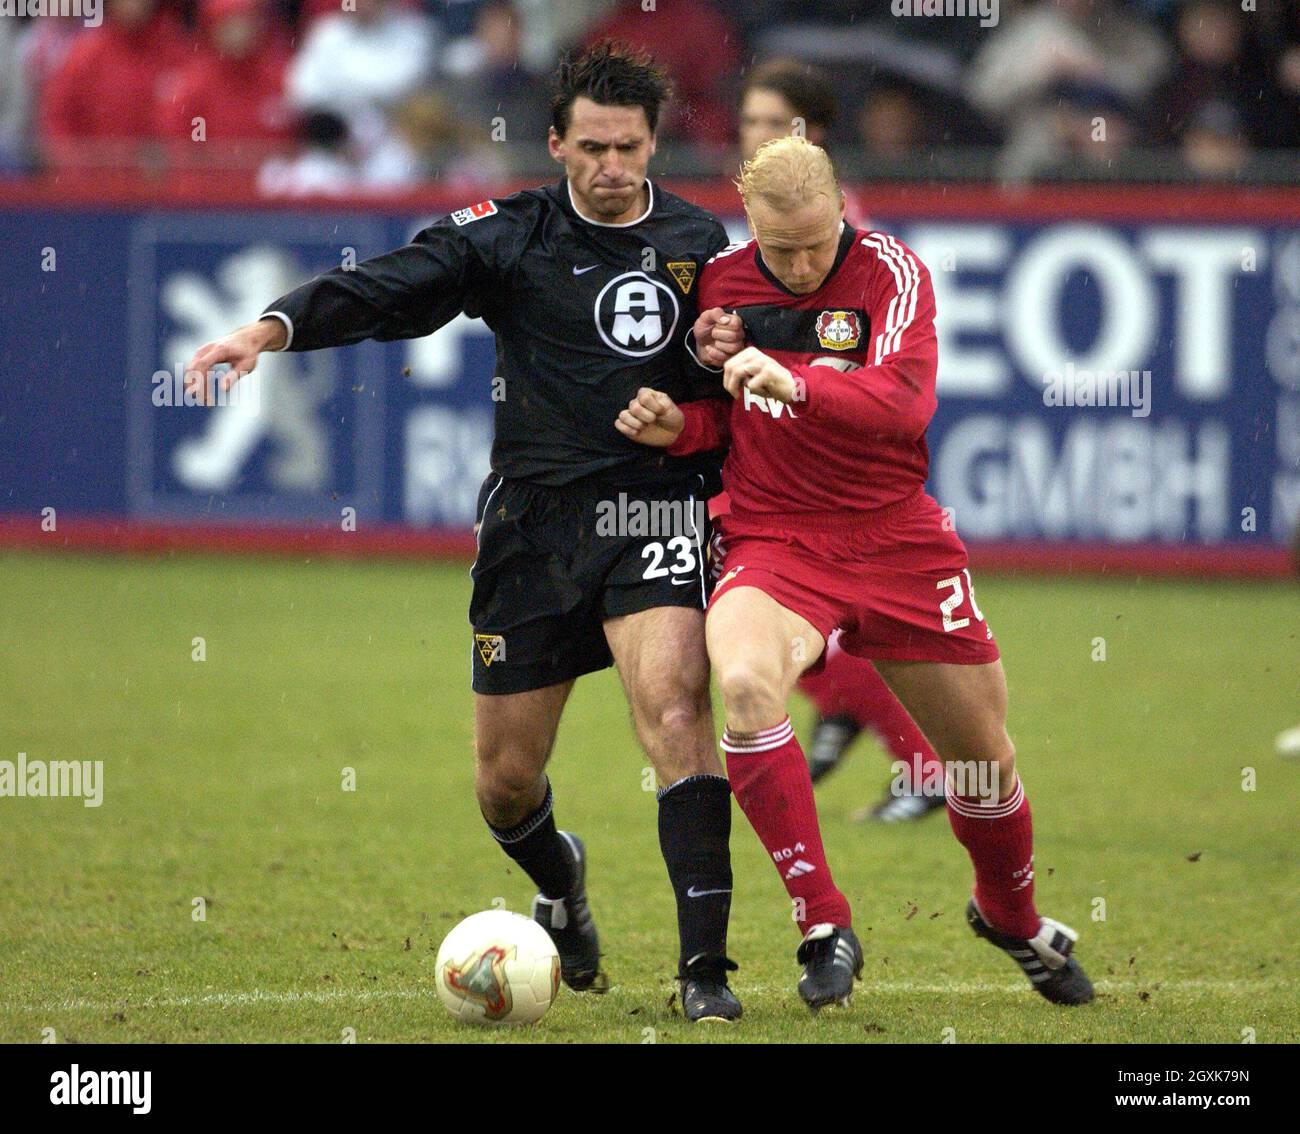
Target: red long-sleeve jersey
{"points": [[864, 347]]}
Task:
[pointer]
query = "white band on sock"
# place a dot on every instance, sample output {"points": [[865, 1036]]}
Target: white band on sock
{"points": [[762, 741], [970, 809]]}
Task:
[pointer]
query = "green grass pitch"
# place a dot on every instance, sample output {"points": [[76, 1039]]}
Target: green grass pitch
{"points": [[223, 781]]}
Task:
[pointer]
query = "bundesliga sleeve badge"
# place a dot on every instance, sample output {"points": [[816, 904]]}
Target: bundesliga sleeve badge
{"points": [[474, 212], [839, 330]]}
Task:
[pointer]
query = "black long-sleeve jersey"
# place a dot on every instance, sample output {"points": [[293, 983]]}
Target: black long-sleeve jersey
{"points": [[584, 314]]}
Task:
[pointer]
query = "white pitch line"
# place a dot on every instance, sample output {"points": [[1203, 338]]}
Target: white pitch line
{"points": [[220, 1000], [362, 995]]}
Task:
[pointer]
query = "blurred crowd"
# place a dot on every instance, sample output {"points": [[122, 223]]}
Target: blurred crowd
{"points": [[332, 96]]}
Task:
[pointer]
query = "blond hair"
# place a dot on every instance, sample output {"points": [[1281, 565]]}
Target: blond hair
{"points": [[785, 173]]}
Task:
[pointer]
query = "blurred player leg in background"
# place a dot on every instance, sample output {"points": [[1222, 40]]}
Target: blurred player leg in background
{"points": [[852, 698]]}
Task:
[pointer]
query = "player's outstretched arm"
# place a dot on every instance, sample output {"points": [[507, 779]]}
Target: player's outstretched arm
{"points": [[239, 350], [651, 418]]}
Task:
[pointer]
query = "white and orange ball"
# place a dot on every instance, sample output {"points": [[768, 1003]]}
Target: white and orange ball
{"points": [[497, 967]]}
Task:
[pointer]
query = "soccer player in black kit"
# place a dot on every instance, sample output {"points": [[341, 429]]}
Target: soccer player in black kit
{"points": [[589, 286]]}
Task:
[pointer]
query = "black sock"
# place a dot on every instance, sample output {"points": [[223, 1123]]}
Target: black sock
{"points": [[695, 837], [536, 845]]}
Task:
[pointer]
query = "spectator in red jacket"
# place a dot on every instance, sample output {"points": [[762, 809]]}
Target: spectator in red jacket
{"points": [[215, 119], [101, 108]]}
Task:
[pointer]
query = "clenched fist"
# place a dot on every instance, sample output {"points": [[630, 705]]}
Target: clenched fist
{"points": [[754, 371], [718, 336], [652, 418]]}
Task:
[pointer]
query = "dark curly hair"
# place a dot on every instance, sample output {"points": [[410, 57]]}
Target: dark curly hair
{"points": [[611, 74]]}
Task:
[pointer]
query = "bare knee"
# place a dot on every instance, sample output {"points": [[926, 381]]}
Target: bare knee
{"points": [[508, 783], [1006, 754], [1003, 753], [677, 732], [980, 759], [681, 717], [752, 698]]}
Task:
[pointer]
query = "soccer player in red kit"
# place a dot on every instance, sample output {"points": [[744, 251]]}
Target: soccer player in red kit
{"points": [[780, 97], [830, 526]]}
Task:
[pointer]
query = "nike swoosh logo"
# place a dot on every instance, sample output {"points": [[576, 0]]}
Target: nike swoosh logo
{"points": [[682, 582], [694, 893], [583, 271]]}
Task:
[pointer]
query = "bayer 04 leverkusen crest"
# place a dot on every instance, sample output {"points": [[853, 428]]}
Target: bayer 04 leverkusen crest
{"points": [[839, 330]]}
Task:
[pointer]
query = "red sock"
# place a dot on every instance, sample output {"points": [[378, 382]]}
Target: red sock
{"points": [[849, 685], [1000, 842], [769, 775]]}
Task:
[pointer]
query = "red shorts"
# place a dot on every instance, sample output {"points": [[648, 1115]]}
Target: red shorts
{"points": [[899, 588]]}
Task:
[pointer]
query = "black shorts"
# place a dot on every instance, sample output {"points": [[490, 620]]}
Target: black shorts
{"points": [[554, 563]]}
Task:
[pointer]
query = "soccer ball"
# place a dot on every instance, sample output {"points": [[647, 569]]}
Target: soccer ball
{"points": [[497, 967]]}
